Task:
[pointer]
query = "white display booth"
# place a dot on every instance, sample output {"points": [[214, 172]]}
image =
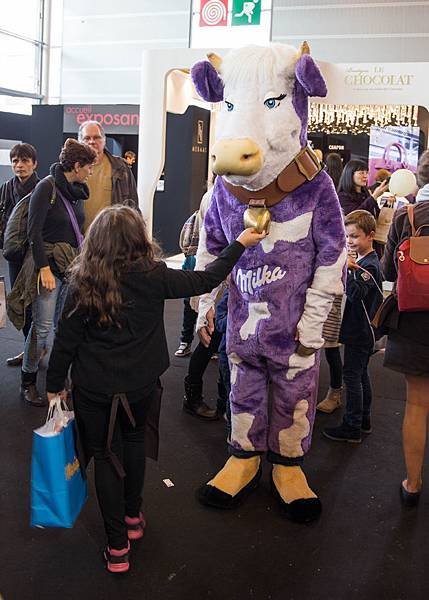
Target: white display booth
{"points": [[166, 86]]}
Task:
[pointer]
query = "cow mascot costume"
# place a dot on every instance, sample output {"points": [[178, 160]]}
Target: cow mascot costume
{"points": [[280, 291]]}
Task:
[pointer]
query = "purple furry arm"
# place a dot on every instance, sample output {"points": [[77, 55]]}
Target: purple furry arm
{"points": [[207, 81], [328, 226]]}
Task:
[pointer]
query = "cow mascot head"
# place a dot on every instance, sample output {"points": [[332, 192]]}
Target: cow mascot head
{"points": [[281, 291]]}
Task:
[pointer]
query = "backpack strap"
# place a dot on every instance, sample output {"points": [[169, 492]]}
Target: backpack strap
{"points": [[410, 212], [51, 180], [414, 232]]}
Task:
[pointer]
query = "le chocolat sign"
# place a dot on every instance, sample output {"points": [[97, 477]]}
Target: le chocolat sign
{"points": [[115, 118]]}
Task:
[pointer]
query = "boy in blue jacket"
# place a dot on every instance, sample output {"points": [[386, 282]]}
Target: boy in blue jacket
{"points": [[364, 296]]}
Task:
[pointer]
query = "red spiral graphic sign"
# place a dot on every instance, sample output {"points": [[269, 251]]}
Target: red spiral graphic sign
{"points": [[213, 13]]}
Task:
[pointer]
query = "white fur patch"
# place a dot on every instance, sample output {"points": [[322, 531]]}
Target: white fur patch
{"points": [[258, 311], [327, 282], [330, 278], [288, 231], [235, 360], [203, 255], [290, 439], [241, 425], [297, 364], [207, 301]]}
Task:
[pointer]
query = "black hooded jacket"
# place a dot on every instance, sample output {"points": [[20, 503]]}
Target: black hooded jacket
{"points": [[49, 221]]}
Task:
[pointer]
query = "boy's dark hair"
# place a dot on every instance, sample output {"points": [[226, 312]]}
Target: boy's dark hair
{"points": [[130, 153], [73, 152], [23, 151], [362, 219], [346, 181], [423, 169]]}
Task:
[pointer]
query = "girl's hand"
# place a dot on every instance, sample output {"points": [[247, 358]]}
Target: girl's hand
{"points": [[47, 279], [384, 185], [250, 237]]}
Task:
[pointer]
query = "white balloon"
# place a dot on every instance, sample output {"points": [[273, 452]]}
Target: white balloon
{"points": [[402, 182]]}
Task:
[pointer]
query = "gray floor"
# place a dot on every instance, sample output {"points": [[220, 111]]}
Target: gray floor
{"points": [[365, 546]]}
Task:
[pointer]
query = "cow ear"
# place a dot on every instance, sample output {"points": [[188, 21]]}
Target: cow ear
{"points": [[207, 81], [309, 76]]}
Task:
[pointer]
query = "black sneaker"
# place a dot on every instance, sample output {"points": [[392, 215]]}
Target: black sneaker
{"points": [[366, 425], [342, 434]]}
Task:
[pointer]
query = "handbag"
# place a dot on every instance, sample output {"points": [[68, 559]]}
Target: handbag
{"points": [[189, 235], [384, 221], [58, 486], [413, 269], [389, 163]]}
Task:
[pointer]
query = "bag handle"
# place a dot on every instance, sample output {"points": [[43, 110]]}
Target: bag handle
{"points": [[57, 404], [402, 151]]}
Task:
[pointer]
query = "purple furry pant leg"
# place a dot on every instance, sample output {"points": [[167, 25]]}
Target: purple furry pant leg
{"points": [[281, 427]]}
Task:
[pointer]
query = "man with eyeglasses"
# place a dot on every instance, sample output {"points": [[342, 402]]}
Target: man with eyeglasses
{"points": [[112, 182]]}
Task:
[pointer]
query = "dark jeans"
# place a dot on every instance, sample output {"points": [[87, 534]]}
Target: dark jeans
{"points": [[117, 497], [333, 358], [188, 324], [358, 385], [14, 269], [225, 374], [201, 358]]}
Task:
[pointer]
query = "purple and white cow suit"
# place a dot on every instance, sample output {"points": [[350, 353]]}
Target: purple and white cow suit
{"points": [[282, 289]]}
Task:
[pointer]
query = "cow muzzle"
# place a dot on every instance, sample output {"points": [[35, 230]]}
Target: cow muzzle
{"points": [[236, 157]]}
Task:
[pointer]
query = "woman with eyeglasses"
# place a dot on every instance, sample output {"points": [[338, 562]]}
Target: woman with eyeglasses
{"points": [[353, 193]]}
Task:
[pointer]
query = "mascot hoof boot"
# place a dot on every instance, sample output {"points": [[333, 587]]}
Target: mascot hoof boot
{"points": [[298, 502], [304, 510], [231, 476]]}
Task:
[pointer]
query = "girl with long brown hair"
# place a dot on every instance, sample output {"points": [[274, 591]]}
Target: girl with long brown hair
{"points": [[112, 335]]}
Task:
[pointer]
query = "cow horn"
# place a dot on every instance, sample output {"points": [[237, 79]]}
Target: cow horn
{"points": [[305, 49], [215, 60]]}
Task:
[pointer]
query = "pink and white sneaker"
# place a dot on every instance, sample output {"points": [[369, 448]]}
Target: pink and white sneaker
{"points": [[117, 561], [135, 526]]}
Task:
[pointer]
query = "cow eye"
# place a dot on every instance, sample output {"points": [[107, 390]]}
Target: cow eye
{"points": [[274, 102], [229, 106]]}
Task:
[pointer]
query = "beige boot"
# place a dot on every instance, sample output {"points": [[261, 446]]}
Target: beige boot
{"points": [[331, 401]]}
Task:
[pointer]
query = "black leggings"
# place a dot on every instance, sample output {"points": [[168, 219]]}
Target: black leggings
{"points": [[333, 358], [201, 358], [116, 497]]}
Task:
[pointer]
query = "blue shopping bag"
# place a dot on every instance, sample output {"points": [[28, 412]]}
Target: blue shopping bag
{"points": [[58, 489]]}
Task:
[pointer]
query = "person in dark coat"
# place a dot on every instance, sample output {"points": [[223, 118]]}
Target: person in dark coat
{"points": [[353, 193], [407, 349], [334, 167], [112, 180], [112, 335], [23, 158]]}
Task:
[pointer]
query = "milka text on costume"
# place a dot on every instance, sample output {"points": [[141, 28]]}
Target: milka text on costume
{"points": [[248, 281]]}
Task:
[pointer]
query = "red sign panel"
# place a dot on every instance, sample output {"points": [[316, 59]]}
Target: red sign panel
{"points": [[213, 13]]}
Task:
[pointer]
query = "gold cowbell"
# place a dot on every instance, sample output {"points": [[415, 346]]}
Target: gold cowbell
{"points": [[259, 218]]}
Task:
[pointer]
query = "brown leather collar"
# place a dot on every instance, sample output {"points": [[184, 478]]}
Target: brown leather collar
{"points": [[304, 167]]}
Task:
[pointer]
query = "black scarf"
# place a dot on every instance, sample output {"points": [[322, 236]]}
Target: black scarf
{"points": [[19, 189], [72, 191]]}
